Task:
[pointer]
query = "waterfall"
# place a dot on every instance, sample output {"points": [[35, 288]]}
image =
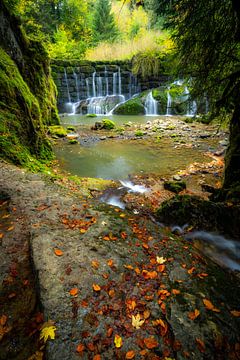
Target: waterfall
{"points": [[77, 85], [115, 76], [119, 81], [192, 105], [169, 103], [66, 79], [93, 84], [99, 86], [88, 88], [151, 105], [106, 79]]}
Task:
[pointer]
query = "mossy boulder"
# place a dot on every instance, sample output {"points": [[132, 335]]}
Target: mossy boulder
{"points": [[130, 107], [91, 115], [108, 124], [57, 131], [73, 141], [201, 214], [174, 186], [139, 133]]}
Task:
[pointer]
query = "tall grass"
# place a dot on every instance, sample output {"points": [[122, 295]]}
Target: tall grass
{"points": [[149, 40]]}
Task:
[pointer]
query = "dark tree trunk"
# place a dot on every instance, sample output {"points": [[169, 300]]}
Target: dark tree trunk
{"points": [[232, 159]]}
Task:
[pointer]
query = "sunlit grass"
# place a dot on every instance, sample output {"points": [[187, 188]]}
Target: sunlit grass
{"points": [[125, 50]]}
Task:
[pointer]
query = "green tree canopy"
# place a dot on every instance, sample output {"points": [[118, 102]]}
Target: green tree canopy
{"points": [[104, 26]]}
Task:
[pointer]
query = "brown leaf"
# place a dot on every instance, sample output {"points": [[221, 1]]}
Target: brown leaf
{"points": [[175, 291], [193, 314], [209, 305], [146, 314], [130, 354], [96, 287], [95, 264], [109, 332], [200, 345], [80, 348], [161, 268], [235, 313], [3, 320], [149, 274], [73, 291], [150, 342], [110, 262], [97, 357], [58, 252]]}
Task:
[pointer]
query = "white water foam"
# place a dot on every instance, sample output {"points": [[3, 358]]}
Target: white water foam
{"points": [[133, 187]]}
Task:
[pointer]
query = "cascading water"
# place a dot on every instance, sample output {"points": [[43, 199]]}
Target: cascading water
{"points": [[151, 105], [169, 104], [106, 80], [94, 84], [77, 85]]}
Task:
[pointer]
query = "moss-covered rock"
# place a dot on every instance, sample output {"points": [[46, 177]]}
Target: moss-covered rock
{"points": [[27, 94], [108, 124], [175, 186], [57, 131], [130, 107]]}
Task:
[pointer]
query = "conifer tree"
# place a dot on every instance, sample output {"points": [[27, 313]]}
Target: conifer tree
{"points": [[104, 26]]}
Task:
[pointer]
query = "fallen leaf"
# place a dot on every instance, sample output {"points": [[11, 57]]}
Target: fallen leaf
{"points": [[109, 332], [80, 348], [58, 252], [130, 354], [130, 267], [175, 291], [193, 314], [235, 313], [82, 231], [122, 215], [146, 314], [149, 274], [200, 345], [96, 287], [47, 332], [73, 291], [161, 260], [137, 322], [111, 293], [110, 262], [95, 264], [97, 357], [209, 305], [161, 268], [190, 271], [150, 342], [3, 320], [117, 341], [10, 228], [131, 304]]}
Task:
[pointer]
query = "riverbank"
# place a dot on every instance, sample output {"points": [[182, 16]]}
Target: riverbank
{"points": [[99, 268]]}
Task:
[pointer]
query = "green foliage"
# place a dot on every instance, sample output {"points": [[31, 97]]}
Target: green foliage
{"points": [[103, 22], [139, 133], [91, 115], [146, 64], [131, 107], [108, 124], [57, 131]]}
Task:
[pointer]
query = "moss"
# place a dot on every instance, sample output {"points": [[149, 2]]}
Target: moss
{"points": [[73, 141], [139, 133], [57, 131], [71, 128], [91, 115], [130, 107], [108, 124], [174, 186]]}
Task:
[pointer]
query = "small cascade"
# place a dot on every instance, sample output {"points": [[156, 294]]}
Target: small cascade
{"points": [[115, 76], [88, 88], [106, 80], [99, 87], [151, 105], [67, 85], [169, 104], [93, 84], [77, 85], [119, 81]]}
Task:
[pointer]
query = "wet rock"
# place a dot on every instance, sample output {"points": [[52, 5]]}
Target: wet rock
{"points": [[177, 178], [174, 186]]}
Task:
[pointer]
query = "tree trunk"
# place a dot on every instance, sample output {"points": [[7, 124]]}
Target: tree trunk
{"points": [[232, 159]]}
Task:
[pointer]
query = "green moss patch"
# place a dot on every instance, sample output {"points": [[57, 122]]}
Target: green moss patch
{"points": [[130, 107]]}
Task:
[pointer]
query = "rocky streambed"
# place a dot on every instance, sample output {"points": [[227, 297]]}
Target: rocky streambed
{"points": [[113, 284]]}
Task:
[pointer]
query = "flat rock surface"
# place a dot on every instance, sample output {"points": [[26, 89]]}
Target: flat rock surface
{"points": [[119, 286]]}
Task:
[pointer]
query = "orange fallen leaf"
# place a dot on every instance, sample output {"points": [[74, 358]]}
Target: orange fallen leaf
{"points": [[123, 235], [131, 304], [95, 264], [1, 235], [161, 268], [130, 354], [73, 291], [111, 293], [82, 231], [10, 228], [210, 305], [110, 262], [96, 287], [97, 357], [235, 313], [117, 341], [145, 246], [150, 342], [137, 271], [3, 320], [143, 352], [107, 238], [190, 271], [91, 346], [149, 274], [200, 345], [175, 291], [130, 267], [58, 252], [109, 332], [146, 314], [193, 314], [80, 348]]}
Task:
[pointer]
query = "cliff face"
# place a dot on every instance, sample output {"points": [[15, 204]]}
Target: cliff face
{"points": [[27, 94]]}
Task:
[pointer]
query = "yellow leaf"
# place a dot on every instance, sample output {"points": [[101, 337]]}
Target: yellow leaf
{"points": [[136, 322], [47, 332], [161, 260], [118, 341], [96, 287]]}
